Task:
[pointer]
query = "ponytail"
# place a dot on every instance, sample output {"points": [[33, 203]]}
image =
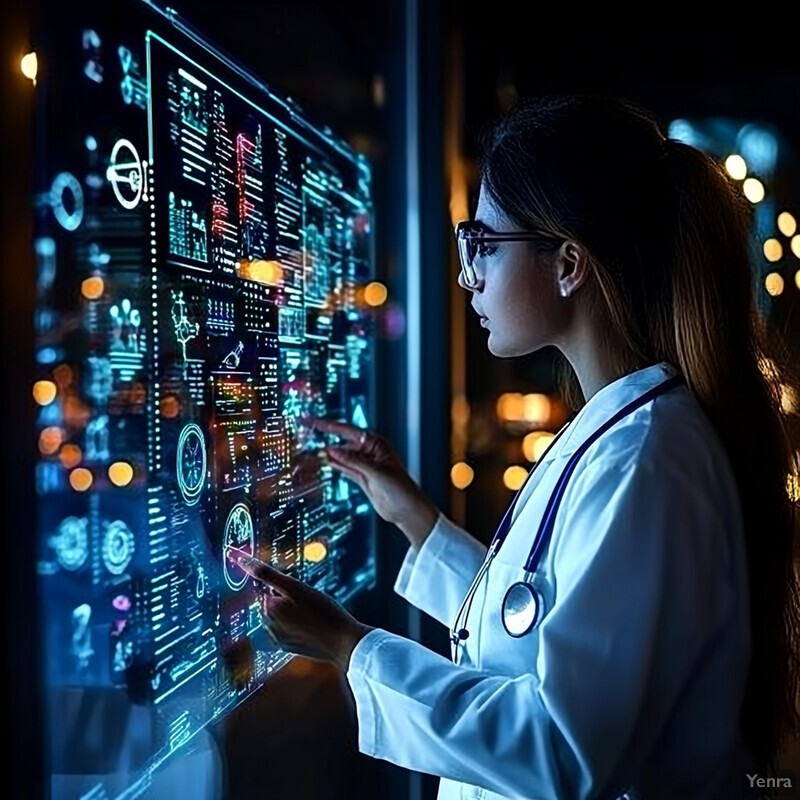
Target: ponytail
{"points": [[720, 340]]}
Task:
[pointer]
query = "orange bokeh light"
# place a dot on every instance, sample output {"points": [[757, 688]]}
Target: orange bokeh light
{"points": [[170, 406], [92, 288], [80, 479], [44, 392], [120, 473], [375, 293], [50, 440], [315, 552], [70, 456], [261, 271]]}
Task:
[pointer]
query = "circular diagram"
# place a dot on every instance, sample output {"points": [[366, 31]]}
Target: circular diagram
{"points": [[72, 543], [125, 173], [238, 535], [191, 463], [66, 199], [117, 547]]}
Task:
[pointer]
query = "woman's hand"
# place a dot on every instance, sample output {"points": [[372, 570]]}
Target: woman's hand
{"points": [[302, 620], [369, 460]]}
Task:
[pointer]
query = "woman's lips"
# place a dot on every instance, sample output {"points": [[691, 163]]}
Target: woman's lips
{"points": [[484, 320]]}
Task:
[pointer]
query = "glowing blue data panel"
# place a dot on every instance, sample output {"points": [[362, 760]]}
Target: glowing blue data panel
{"points": [[200, 247]]}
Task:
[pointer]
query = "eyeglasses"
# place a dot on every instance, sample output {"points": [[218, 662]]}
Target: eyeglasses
{"points": [[470, 236]]}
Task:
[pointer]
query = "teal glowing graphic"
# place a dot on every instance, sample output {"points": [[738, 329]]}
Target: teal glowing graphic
{"points": [[66, 198], [239, 539], [127, 174], [118, 546], [191, 463], [200, 248], [185, 330], [72, 543]]}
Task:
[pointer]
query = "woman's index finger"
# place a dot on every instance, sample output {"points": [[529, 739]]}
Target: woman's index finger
{"points": [[267, 574], [350, 432]]}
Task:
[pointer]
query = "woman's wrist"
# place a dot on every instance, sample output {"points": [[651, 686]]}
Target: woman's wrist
{"points": [[417, 526], [350, 638]]}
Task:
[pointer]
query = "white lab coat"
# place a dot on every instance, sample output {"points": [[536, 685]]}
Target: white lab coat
{"points": [[632, 681]]}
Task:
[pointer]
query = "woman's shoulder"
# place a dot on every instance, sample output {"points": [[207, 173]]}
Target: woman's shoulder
{"points": [[670, 437], [663, 466]]}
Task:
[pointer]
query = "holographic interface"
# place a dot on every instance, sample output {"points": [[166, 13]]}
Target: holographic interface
{"points": [[200, 245]]}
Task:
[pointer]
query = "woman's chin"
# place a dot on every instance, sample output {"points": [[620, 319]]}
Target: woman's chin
{"points": [[502, 349], [495, 346]]}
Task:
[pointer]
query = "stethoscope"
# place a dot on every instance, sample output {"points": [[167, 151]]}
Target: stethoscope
{"points": [[522, 604]]}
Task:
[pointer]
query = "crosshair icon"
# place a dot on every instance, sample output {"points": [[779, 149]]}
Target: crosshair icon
{"points": [[240, 536], [191, 463]]}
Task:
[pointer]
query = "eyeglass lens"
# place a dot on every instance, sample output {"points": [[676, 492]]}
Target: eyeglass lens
{"points": [[466, 254]]}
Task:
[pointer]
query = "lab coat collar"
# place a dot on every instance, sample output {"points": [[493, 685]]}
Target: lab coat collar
{"points": [[606, 402]]}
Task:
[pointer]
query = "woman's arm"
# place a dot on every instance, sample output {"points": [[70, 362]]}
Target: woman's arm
{"points": [[643, 589], [436, 576]]}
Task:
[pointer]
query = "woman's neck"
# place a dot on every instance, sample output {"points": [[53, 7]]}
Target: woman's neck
{"points": [[598, 360]]}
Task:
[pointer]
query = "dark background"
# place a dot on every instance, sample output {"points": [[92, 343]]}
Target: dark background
{"points": [[344, 62]]}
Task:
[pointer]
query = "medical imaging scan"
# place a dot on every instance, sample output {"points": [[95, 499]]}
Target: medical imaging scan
{"points": [[201, 248]]}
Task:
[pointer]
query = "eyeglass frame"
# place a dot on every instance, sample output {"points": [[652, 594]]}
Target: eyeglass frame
{"points": [[463, 239]]}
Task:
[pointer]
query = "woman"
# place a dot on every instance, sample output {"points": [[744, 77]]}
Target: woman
{"points": [[647, 651]]}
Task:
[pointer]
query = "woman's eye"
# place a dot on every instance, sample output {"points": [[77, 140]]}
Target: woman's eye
{"points": [[486, 250]]}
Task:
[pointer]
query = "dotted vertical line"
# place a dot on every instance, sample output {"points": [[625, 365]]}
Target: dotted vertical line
{"points": [[155, 415]]}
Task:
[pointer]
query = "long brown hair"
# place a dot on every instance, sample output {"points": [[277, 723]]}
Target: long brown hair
{"points": [[668, 236]]}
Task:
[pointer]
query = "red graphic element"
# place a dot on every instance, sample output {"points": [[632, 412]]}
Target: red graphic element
{"points": [[219, 215], [245, 150]]}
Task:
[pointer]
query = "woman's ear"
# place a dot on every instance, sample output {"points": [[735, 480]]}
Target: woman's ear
{"points": [[572, 267]]}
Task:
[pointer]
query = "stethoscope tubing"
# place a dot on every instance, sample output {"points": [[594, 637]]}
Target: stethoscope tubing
{"points": [[547, 523], [457, 634]]}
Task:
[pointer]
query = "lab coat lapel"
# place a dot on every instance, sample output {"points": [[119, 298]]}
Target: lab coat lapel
{"points": [[535, 479], [609, 400], [600, 408]]}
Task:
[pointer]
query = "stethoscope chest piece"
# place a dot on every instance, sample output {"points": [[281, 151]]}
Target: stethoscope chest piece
{"points": [[521, 608]]}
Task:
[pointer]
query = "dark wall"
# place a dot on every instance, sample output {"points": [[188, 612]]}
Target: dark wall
{"points": [[20, 624]]}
